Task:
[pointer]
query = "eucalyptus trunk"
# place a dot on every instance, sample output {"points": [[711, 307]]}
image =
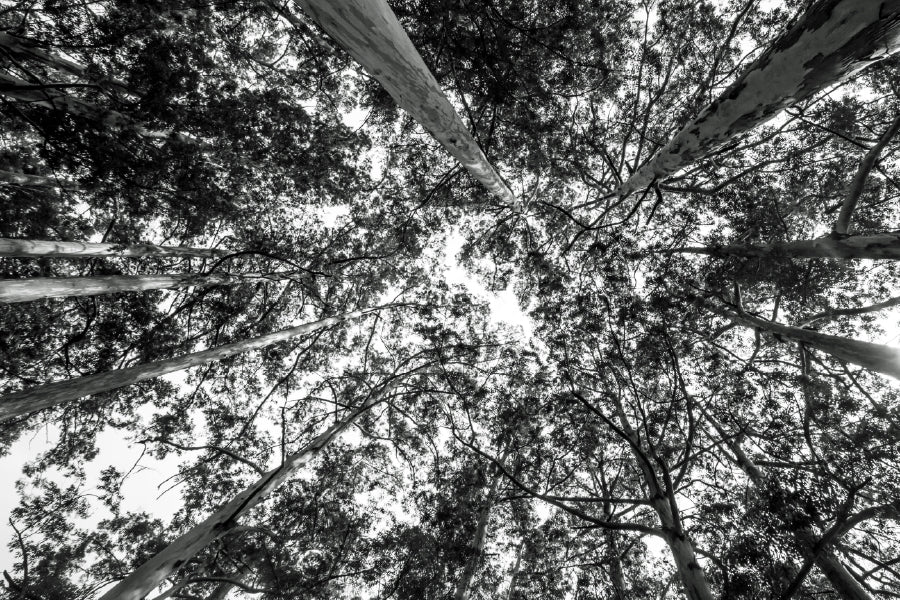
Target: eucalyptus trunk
{"points": [[53, 249], [842, 581], [104, 118], [464, 585], [662, 500], [42, 181], [38, 288], [833, 40], [877, 246], [25, 48], [45, 396], [370, 32], [875, 357], [154, 572]]}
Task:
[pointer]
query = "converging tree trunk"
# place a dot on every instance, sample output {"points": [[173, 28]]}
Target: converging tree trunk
{"points": [[464, 585], [44, 396], [662, 500], [43, 181], [842, 581], [152, 573], [875, 357], [44, 95], [53, 249], [854, 190], [24, 48], [37, 288], [833, 40], [370, 32], [878, 246]]}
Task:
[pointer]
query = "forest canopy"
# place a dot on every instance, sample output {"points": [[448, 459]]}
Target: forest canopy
{"points": [[469, 299]]}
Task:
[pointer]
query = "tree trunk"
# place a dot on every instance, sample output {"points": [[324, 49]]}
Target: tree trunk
{"points": [[44, 396], [52, 249], [23, 179], [514, 579], [370, 32], [833, 40], [152, 573], [662, 500], [616, 573], [842, 581], [854, 190], [37, 288], [24, 48], [464, 585], [875, 357], [878, 246], [43, 95]]}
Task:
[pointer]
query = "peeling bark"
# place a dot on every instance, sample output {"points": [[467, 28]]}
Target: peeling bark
{"points": [[44, 396], [38, 288], [52, 249], [370, 32], [833, 40], [877, 246]]}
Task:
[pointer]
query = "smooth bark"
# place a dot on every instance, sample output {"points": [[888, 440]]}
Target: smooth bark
{"points": [[878, 246], [45, 95], [833, 40], [27, 180], [875, 357], [842, 581], [854, 191], [849, 312], [662, 500], [53, 249], [44, 396], [370, 32], [24, 48], [152, 573], [464, 585], [38, 288]]}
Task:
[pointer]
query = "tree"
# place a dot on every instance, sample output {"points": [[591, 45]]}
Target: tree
{"points": [[833, 40], [51, 394], [566, 392]]}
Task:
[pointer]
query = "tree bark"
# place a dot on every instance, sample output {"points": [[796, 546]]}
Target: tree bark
{"points": [[878, 246], [23, 48], [370, 32], [464, 585], [854, 191], [23, 179], [875, 357], [152, 573], [842, 581], [38, 288], [52, 249], [662, 500], [514, 579], [43, 95], [847, 312], [44, 396], [833, 40]]}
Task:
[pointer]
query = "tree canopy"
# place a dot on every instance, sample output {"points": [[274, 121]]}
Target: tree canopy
{"points": [[446, 299]]}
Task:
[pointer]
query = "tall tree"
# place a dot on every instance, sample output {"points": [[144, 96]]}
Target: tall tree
{"points": [[830, 42]]}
